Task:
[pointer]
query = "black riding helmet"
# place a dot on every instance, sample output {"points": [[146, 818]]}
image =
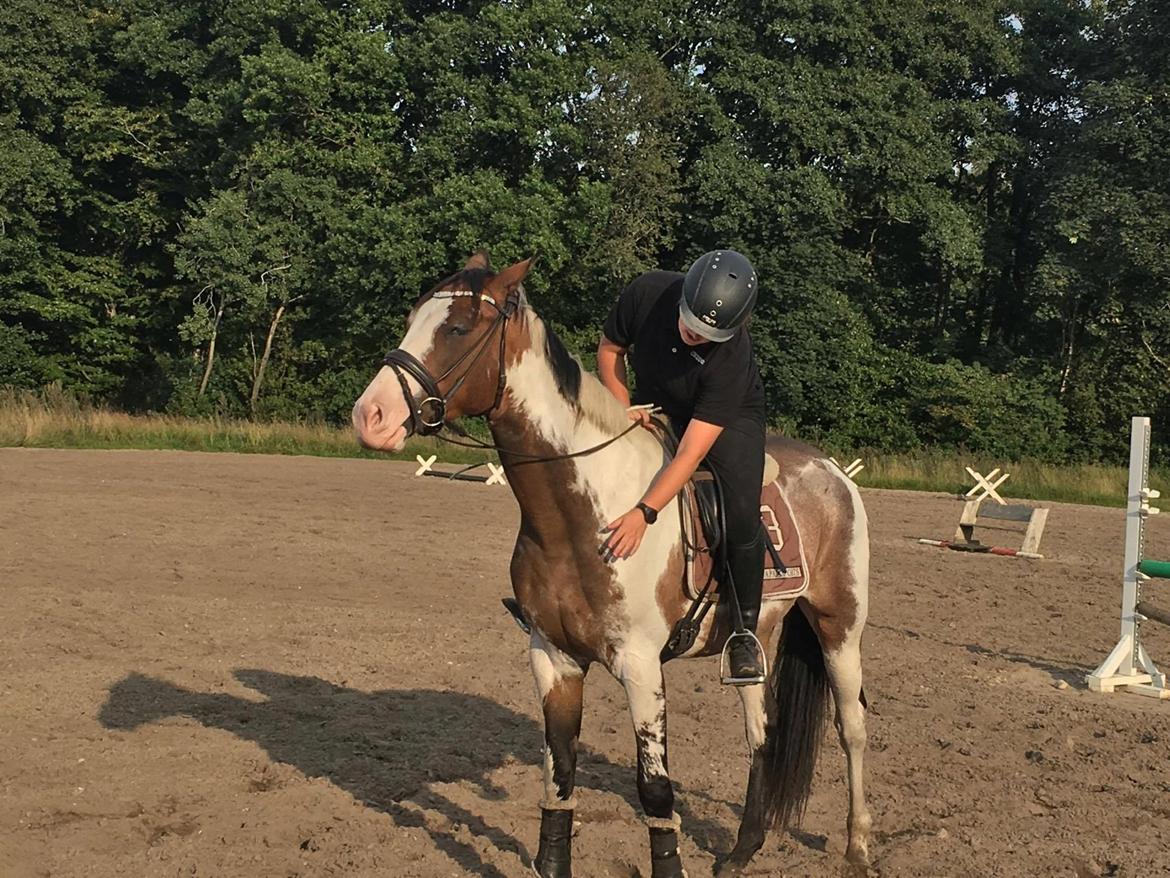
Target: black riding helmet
{"points": [[718, 295]]}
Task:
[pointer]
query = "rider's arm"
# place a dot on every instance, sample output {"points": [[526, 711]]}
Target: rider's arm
{"points": [[611, 369], [696, 442]]}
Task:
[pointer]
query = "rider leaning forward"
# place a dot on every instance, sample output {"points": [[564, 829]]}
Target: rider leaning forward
{"points": [[688, 341]]}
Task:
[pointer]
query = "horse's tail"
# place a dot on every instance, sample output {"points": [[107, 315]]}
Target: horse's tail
{"points": [[799, 687]]}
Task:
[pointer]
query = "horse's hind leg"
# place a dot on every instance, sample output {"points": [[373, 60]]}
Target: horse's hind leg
{"points": [[646, 692], [844, 667], [839, 599], [559, 685]]}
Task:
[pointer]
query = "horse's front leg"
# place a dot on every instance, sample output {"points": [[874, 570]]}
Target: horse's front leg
{"points": [[646, 691], [559, 684]]}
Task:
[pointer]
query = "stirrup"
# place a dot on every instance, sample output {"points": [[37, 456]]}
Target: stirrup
{"points": [[725, 678]]}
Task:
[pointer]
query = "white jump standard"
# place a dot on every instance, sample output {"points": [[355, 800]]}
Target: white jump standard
{"points": [[1129, 666]]}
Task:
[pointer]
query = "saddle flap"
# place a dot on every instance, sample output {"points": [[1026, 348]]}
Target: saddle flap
{"points": [[784, 582]]}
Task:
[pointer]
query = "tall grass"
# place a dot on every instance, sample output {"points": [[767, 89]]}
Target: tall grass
{"points": [[939, 470], [56, 419]]}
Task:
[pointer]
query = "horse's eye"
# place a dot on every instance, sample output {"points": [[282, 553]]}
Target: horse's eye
{"points": [[457, 330]]}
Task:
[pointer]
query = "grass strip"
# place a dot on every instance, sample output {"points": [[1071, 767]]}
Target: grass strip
{"points": [[55, 419]]}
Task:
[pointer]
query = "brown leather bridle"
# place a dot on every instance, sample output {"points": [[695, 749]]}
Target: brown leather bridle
{"points": [[422, 423], [427, 423]]}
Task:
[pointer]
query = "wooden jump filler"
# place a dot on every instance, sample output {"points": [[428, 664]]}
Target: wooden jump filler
{"points": [[976, 512], [1129, 666], [984, 487], [496, 471], [852, 470]]}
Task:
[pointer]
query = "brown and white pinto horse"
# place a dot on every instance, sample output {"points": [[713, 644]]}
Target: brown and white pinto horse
{"points": [[474, 346]]}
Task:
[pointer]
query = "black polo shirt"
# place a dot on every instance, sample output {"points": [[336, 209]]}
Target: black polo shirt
{"points": [[716, 382]]}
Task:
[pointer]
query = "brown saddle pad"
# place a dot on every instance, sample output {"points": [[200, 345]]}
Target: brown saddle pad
{"points": [[780, 527]]}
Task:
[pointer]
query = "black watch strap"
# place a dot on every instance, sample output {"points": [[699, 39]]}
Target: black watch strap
{"points": [[648, 512]]}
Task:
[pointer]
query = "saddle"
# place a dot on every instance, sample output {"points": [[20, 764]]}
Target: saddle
{"points": [[785, 570]]}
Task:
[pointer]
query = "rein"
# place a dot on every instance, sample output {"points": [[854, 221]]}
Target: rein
{"points": [[524, 456]]}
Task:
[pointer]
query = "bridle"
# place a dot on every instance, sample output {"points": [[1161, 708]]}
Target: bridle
{"points": [[422, 422]]}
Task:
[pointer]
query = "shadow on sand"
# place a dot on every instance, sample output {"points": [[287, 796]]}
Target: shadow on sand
{"points": [[387, 748]]}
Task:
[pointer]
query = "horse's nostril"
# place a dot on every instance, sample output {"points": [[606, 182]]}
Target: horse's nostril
{"points": [[373, 416]]}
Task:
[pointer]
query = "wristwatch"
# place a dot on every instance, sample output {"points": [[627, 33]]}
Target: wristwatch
{"points": [[648, 512]]}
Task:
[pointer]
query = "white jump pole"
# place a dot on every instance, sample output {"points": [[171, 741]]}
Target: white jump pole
{"points": [[1129, 665]]}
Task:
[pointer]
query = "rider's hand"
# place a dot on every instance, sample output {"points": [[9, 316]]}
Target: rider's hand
{"points": [[625, 537], [640, 415]]}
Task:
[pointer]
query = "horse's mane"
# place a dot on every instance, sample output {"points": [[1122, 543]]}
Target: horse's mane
{"points": [[581, 388]]}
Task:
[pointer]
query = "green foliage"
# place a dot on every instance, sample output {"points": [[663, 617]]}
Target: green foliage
{"points": [[959, 213]]}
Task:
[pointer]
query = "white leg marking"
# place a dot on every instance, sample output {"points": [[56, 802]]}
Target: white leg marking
{"points": [[549, 666], [754, 717], [844, 667], [641, 675], [845, 677]]}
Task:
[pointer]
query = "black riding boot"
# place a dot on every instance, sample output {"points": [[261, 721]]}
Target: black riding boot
{"points": [[746, 565]]}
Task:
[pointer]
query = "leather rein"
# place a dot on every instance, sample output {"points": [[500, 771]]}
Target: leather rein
{"points": [[428, 416]]}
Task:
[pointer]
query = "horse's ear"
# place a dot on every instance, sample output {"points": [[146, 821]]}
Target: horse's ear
{"points": [[512, 276], [478, 259]]}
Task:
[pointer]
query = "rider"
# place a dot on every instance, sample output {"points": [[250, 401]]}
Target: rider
{"points": [[692, 355]]}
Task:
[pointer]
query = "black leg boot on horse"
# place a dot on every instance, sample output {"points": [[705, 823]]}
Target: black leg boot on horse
{"points": [[664, 858], [745, 657], [554, 859]]}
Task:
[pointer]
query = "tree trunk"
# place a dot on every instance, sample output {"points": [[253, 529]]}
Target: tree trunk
{"points": [[1068, 344], [263, 364], [211, 352]]}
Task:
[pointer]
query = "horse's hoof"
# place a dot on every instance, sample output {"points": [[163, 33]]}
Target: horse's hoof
{"points": [[728, 866], [857, 855], [735, 861], [857, 864]]}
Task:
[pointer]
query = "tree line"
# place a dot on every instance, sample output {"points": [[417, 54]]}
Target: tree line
{"points": [[959, 213]]}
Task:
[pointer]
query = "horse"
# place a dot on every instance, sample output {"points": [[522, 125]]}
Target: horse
{"points": [[474, 346]]}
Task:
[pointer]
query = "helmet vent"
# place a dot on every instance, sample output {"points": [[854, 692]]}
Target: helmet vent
{"points": [[733, 275]]}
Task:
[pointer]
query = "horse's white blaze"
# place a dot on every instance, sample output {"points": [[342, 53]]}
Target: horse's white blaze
{"points": [[385, 391]]}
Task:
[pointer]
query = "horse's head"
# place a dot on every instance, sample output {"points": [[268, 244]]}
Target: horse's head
{"points": [[450, 362]]}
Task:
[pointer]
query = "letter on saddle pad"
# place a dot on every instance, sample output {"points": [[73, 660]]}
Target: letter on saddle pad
{"points": [[780, 527]]}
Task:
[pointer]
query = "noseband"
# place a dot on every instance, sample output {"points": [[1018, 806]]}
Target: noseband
{"points": [[427, 416]]}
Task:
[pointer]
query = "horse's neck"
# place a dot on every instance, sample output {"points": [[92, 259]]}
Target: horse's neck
{"points": [[537, 419]]}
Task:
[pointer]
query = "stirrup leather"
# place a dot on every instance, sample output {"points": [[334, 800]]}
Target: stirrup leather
{"points": [[725, 676]]}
